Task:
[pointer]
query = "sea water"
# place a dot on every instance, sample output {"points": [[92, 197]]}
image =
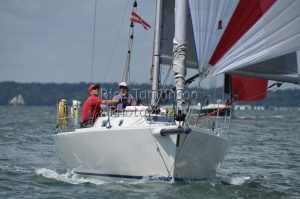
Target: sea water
{"points": [[263, 161]]}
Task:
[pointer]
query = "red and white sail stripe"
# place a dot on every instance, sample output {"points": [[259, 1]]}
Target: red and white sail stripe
{"points": [[232, 34]]}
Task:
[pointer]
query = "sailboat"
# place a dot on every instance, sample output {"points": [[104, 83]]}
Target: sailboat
{"points": [[254, 38], [17, 100]]}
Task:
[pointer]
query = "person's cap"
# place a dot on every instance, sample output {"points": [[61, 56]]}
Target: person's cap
{"points": [[123, 84], [93, 86]]}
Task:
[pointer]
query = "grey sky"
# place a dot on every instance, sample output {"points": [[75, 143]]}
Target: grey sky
{"points": [[51, 40]]}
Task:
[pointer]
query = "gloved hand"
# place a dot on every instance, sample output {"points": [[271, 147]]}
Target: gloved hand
{"points": [[123, 100], [138, 102]]}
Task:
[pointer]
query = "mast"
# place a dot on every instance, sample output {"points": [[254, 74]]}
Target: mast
{"points": [[156, 53]]}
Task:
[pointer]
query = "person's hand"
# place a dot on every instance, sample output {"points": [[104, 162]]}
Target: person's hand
{"points": [[123, 100], [138, 102]]}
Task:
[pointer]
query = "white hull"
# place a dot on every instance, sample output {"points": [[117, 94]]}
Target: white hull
{"points": [[140, 150]]}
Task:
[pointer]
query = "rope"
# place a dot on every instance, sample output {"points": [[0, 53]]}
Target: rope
{"points": [[115, 42], [93, 45], [199, 119], [278, 84], [208, 115], [157, 148], [183, 142], [163, 87]]}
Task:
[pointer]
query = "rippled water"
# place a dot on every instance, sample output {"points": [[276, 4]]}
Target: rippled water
{"points": [[263, 161]]}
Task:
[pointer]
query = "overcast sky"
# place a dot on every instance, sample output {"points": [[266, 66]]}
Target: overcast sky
{"points": [[51, 40]]}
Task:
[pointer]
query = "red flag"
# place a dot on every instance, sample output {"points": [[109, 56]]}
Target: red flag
{"points": [[136, 18]]}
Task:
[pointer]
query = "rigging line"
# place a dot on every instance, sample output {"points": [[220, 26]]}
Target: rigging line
{"points": [[257, 93], [163, 87], [207, 116], [184, 139], [200, 81], [126, 73], [116, 41], [157, 148], [138, 120], [260, 92], [167, 77], [93, 45]]}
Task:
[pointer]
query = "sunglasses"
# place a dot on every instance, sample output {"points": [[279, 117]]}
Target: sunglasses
{"points": [[123, 87]]}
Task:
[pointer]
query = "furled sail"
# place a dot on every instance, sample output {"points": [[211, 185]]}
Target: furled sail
{"points": [[258, 38], [180, 49], [168, 33], [176, 46]]}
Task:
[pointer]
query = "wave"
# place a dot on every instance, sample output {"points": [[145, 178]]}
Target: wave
{"points": [[278, 116], [235, 180], [73, 178], [14, 169], [245, 117], [69, 177], [251, 117]]}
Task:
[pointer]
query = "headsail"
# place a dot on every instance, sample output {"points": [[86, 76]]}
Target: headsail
{"points": [[254, 38], [247, 37]]}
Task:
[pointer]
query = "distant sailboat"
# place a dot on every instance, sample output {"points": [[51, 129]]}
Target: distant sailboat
{"points": [[17, 100]]}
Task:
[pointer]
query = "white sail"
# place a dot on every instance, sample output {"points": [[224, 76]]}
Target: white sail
{"points": [[17, 100], [21, 100], [14, 100], [248, 37]]}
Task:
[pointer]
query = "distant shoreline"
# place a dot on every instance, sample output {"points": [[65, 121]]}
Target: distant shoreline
{"points": [[47, 94]]}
